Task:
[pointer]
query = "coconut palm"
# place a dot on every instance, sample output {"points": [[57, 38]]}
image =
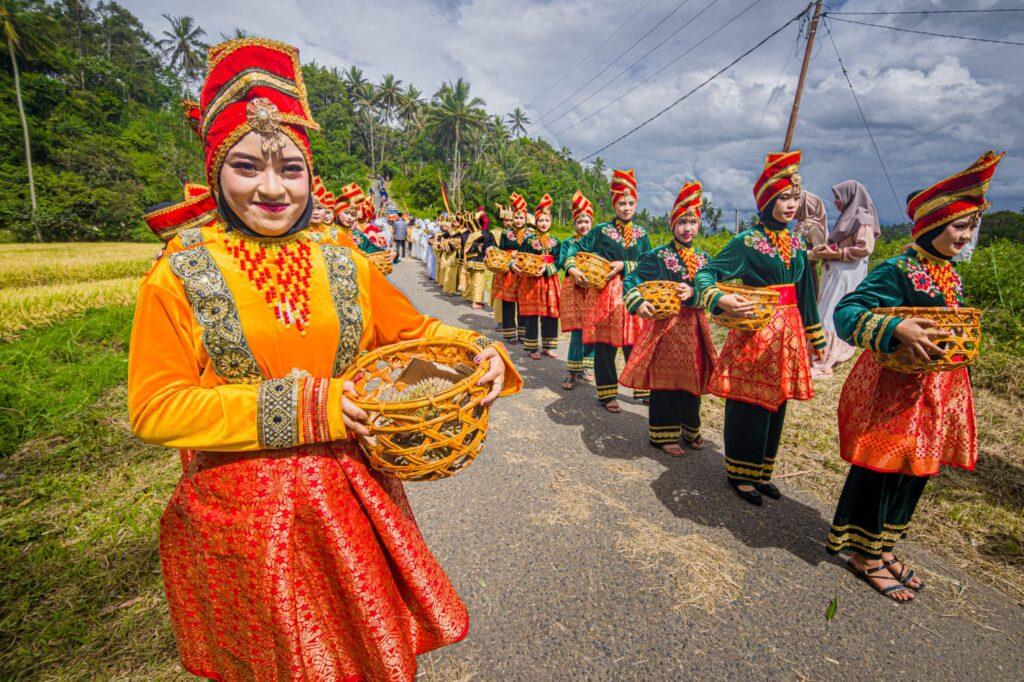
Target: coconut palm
{"points": [[9, 24], [389, 99], [183, 47], [455, 117], [354, 81], [410, 107], [235, 34], [517, 122]]}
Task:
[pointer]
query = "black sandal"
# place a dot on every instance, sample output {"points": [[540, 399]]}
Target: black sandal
{"points": [[570, 382], [905, 576], [770, 490], [694, 444], [866, 574], [751, 496]]}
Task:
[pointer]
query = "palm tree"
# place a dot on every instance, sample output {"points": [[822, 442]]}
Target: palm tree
{"points": [[183, 47], [8, 22], [517, 122], [598, 167], [389, 98], [410, 107], [354, 81], [235, 34], [454, 117], [365, 99]]}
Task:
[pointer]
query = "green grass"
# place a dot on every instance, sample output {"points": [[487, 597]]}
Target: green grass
{"points": [[52, 374]]}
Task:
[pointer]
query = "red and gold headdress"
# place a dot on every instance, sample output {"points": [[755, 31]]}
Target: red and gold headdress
{"points": [[351, 195], [518, 203], [581, 206], [504, 212], [253, 84], [544, 206], [687, 201], [329, 201], [319, 191], [367, 211], [623, 182], [779, 174], [198, 209], [192, 115], [954, 197]]}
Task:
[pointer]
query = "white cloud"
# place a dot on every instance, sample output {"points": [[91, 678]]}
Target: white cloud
{"points": [[933, 104]]}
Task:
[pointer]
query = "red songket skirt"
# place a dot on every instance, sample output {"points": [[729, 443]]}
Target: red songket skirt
{"points": [[539, 296], [573, 302], [301, 564], [676, 354], [907, 423], [769, 366], [606, 319], [507, 284]]}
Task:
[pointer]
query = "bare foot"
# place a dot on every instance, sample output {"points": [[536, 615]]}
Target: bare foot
{"points": [[550, 353], [673, 450], [535, 355], [612, 406]]}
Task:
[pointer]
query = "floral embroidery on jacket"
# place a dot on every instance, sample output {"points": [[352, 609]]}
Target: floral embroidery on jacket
{"points": [[760, 242], [923, 280]]}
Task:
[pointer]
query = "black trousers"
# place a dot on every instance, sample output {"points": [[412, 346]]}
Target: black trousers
{"points": [[546, 326], [400, 248], [606, 375], [673, 414], [511, 329], [752, 436], [874, 511]]}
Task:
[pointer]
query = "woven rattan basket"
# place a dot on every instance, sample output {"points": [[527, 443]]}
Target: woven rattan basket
{"points": [[382, 261], [663, 296], [958, 350], [765, 300], [594, 268], [530, 264], [429, 437], [497, 260]]}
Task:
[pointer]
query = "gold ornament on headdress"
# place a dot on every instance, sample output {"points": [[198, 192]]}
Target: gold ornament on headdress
{"points": [[265, 119]]}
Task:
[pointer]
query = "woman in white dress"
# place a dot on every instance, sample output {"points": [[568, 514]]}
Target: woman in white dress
{"points": [[844, 263]]}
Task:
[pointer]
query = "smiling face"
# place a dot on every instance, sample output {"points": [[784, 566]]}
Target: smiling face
{"points": [[348, 217], [625, 207], [268, 192], [786, 205], [956, 235], [686, 228], [328, 216], [518, 220], [583, 224]]}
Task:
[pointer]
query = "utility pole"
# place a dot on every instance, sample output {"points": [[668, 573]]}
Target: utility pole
{"points": [[737, 223], [811, 32]]}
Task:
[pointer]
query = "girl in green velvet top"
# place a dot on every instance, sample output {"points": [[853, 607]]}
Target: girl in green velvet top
{"points": [[759, 371]]}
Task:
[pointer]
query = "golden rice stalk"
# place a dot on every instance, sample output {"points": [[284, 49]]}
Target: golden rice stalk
{"points": [[30, 307]]}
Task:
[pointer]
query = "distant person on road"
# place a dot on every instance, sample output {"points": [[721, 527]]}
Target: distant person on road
{"points": [[898, 429], [401, 228], [844, 264]]}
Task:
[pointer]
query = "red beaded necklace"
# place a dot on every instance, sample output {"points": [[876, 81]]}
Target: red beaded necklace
{"points": [[942, 273], [279, 271]]}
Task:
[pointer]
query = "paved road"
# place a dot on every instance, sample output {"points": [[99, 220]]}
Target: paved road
{"points": [[586, 554]]}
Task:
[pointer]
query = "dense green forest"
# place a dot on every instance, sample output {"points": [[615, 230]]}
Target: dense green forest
{"points": [[102, 107]]}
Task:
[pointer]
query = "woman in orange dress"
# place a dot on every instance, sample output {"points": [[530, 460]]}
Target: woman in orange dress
{"points": [[284, 555]]}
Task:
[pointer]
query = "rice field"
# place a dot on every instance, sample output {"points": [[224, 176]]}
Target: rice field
{"points": [[42, 284]]}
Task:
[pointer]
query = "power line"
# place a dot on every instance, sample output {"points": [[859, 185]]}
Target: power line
{"points": [[590, 54], [932, 11], [650, 77], [610, 64], [626, 70], [863, 118], [728, 66], [928, 33]]}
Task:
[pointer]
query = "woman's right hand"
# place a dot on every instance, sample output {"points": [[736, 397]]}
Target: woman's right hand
{"points": [[736, 305], [645, 310], [916, 333], [352, 415], [577, 277]]}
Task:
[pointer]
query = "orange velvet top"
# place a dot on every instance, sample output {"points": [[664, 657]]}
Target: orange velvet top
{"points": [[211, 368]]}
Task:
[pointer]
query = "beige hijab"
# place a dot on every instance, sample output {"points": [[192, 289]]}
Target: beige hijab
{"points": [[858, 210]]}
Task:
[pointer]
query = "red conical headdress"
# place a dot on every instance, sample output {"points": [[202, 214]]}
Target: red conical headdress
{"points": [[954, 197]]}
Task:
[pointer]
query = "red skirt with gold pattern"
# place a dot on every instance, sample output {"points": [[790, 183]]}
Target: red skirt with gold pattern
{"points": [[676, 354], [907, 423], [507, 284], [301, 564], [539, 296], [573, 304], [769, 366], [606, 319]]}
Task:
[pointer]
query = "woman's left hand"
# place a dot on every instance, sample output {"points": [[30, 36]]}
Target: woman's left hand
{"points": [[685, 291], [617, 267], [495, 375]]}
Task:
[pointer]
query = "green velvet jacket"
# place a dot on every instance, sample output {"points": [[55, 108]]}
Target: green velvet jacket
{"points": [[899, 281], [605, 240], [751, 257], [662, 263]]}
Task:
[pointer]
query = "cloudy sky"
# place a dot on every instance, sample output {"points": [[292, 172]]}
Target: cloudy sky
{"points": [[934, 104]]}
